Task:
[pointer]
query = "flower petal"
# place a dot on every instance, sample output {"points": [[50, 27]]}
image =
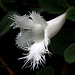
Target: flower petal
{"points": [[22, 22], [38, 19], [24, 39], [36, 55]]}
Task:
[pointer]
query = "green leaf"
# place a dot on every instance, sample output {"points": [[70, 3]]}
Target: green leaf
{"points": [[53, 6], [5, 24], [46, 71], [71, 14], [62, 40], [8, 5], [69, 54]]}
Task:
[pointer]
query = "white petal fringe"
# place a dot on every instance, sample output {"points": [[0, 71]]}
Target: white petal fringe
{"points": [[36, 55]]}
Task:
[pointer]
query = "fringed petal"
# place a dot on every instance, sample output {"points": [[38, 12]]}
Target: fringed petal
{"points": [[38, 19], [36, 55], [24, 39], [22, 22]]}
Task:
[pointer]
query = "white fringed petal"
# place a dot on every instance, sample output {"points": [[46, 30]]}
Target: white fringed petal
{"points": [[22, 22], [36, 55], [38, 19], [24, 39]]}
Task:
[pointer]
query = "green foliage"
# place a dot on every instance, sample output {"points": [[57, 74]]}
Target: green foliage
{"points": [[69, 54], [46, 71], [5, 24], [62, 40], [8, 5], [71, 14], [53, 6]]}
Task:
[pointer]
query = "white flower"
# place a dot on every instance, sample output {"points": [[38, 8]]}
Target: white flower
{"points": [[34, 36]]}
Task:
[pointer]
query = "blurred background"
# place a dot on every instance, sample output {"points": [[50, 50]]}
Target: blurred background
{"points": [[9, 53]]}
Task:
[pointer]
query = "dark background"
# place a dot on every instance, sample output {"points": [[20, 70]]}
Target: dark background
{"points": [[10, 53]]}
